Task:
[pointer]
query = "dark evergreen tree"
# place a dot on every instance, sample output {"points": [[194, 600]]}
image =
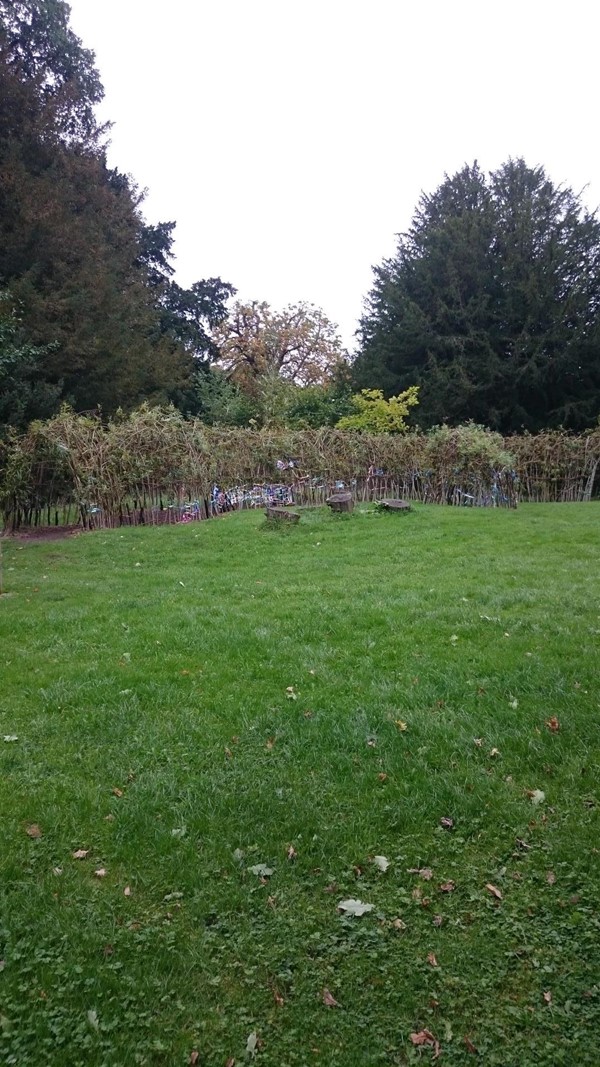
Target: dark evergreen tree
{"points": [[92, 281], [24, 394], [491, 305]]}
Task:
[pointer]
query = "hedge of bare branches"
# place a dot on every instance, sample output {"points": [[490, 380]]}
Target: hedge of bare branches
{"points": [[151, 465]]}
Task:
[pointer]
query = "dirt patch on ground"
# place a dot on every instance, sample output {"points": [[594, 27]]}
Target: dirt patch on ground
{"points": [[44, 533]]}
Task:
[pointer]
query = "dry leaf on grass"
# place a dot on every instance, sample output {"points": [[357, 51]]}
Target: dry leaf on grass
{"points": [[424, 872], [550, 877], [448, 887], [101, 872], [493, 890], [127, 891], [194, 1057], [447, 823], [81, 853], [398, 924], [33, 830], [117, 792], [261, 870], [382, 862], [252, 1044], [291, 853], [553, 724], [432, 959], [469, 1045], [354, 907], [548, 997], [329, 1000], [425, 1037]]}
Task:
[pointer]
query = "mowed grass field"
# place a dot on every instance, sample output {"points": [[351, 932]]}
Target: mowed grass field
{"points": [[182, 705]]}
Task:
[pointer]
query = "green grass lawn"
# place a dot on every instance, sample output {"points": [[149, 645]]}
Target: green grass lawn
{"points": [[184, 704]]}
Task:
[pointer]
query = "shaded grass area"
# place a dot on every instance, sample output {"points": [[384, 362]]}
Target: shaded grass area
{"points": [[190, 702]]}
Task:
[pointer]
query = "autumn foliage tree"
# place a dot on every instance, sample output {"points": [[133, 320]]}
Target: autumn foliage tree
{"points": [[298, 344], [374, 414]]}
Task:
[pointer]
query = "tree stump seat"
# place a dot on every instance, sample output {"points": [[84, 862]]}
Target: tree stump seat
{"points": [[395, 505], [275, 514], [340, 502]]}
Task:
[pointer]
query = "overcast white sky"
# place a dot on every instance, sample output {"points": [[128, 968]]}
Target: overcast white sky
{"points": [[290, 139]]}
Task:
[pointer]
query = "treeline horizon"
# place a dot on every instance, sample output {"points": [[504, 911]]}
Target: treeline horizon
{"points": [[490, 307]]}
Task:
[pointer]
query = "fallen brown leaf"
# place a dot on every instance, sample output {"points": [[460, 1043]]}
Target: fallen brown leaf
{"points": [[550, 877], [228, 752], [431, 959], [277, 997], [81, 853], [33, 830], [493, 890], [553, 724], [424, 873], [448, 887], [425, 1037], [469, 1044], [271, 901], [438, 920], [382, 776], [398, 924], [329, 1000], [101, 872], [194, 1056], [270, 744], [230, 1062], [117, 792], [548, 997], [447, 823], [127, 891]]}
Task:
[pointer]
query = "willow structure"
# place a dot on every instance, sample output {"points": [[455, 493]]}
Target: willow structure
{"points": [[155, 466]]}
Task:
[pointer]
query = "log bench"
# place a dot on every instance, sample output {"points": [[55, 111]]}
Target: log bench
{"points": [[394, 505], [340, 502], [275, 514]]}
